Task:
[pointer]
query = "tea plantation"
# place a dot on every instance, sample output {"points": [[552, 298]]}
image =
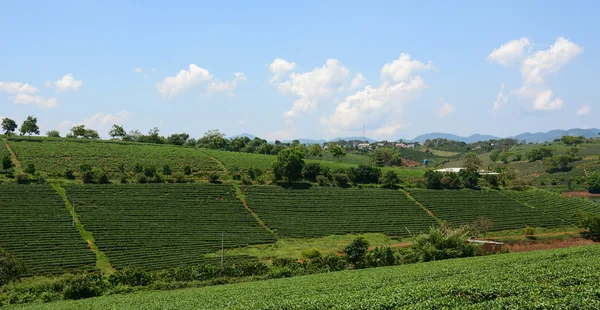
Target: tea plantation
{"points": [[553, 279], [35, 225]]}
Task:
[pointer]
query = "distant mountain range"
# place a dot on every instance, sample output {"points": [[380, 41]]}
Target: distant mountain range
{"points": [[538, 137]]}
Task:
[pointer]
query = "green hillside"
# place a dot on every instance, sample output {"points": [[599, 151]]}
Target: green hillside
{"points": [[55, 156], [35, 224], [553, 279], [459, 207], [163, 225], [322, 211]]}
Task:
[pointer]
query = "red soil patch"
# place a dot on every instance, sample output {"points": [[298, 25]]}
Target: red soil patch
{"points": [[409, 163], [526, 246], [579, 194]]}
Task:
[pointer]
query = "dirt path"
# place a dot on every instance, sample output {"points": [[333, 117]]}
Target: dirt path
{"points": [[527, 246], [13, 156], [215, 159], [240, 195], [579, 194], [409, 196]]}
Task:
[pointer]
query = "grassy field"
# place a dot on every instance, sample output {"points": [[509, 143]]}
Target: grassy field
{"points": [[36, 226], [553, 279], [156, 226], [55, 156], [322, 211]]}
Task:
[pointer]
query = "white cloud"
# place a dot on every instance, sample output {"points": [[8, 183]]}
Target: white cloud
{"points": [[285, 134], [374, 104], [68, 82], [100, 122], [501, 99], [584, 110], [314, 86], [536, 67], [16, 87], [241, 122], [401, 69], [153, 69], [446, 110], [388, 130], [40, 101], [280, 67], [195, 76], [138, 70], [509, 53], [358, 81], [227, 86]]}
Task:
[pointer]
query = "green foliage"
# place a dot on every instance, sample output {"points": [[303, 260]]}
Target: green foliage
{"points": [[591, 222], [471, 161], [23, 178], [83, 286], [539, 154], [117, 131], [213, 178], [528, 231], [178, 138], [336, 151], [187, 170], [341, 180], [593, 183], [11, 268], [311, 254], [167, 170], [469, 178], [433, 179], [570, 140], [7, 162], [442, 243], [380, 256], [213, 139], [451, 181], [312, 170], [131, 277], [558, 163], [8, 126], [364, 174], [386, 157], [315, 150], [494, 155], [356, 252], [322, 180], [30, 168], [289, 165], [30, 126], [390, 180], [53, 134], [80, 131]]}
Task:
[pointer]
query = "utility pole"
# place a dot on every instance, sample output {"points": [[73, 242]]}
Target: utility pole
{"points": [[222, 247]]}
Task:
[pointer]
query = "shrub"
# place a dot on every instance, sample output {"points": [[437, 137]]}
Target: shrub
{"points": [[528, 231], [150, 171], [364, 174], [310, 254], [11, 268], [7, 162], [341, 179], [311, 171], [23, 178], [166, 170], [30, 168], [179, 177], [141, 178], [69, 174], [593, 183], [87, 176], [138, 168], [246, 180], [356, 252], [390, 180], [322, 180], [213, 177], [187, 170], [83, 286], [442, 243], [102, 178], [381, 256], [131, 277]]}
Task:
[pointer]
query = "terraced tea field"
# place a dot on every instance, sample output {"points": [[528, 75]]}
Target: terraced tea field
{"points": [[54, 156], [36, 226], [156, 226], [555, 205], [320, 211], [552, 279], [459, 207], [233, 160]]}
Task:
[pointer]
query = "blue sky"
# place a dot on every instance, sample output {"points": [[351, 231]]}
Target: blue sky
{"points": [[309, 69]]}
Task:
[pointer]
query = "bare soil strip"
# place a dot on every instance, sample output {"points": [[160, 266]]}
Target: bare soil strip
{"points": [[13, 156], [421, 206], [241, 197]]}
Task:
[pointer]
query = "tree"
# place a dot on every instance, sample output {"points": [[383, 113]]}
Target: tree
{"points": [[336, 151], [433, 179], [30, 126], [469, 178], [494, 154], [311, 171], [482, 225], [53, 134], [356, 252], [167, 170], [11, 268], [364, 174], [558, 163], [8, 126], [213, 139], [178, 138], [593, 183], [539, 154], [117, 132], [390, 179], [386, 157], [7, 162], [30, 168], [571, 140], [471, 161], [289, 165], [80, 131], [315, 150], [573, 152]]}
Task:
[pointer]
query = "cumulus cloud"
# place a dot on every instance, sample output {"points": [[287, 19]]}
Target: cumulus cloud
{"points": [[358, 81], [501, 99], [16, 87], [196, 76], [375, 104], [40, 101], [100, 122], [227, 86], [445, 110], [66, 83], [313, 86], [584, 110], [401, 69], [509, 53], [388, 130], [279, 67], [138, 70], [537, 66], [285, 134]]}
